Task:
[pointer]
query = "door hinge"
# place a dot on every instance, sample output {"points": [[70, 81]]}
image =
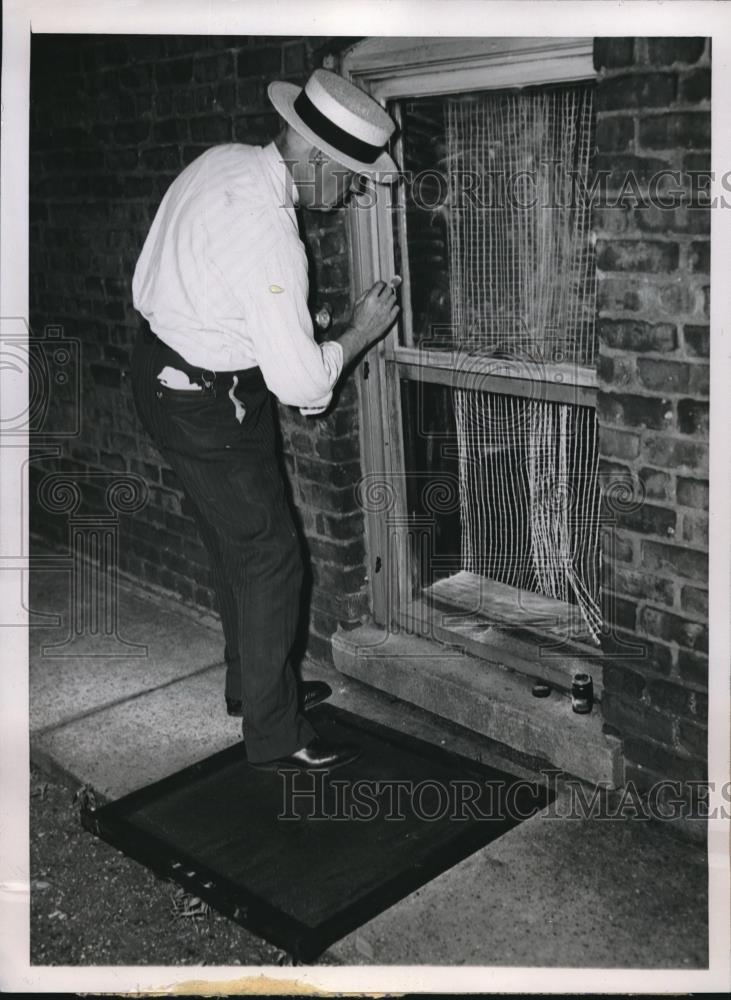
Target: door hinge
{"points": [[377, 567]]}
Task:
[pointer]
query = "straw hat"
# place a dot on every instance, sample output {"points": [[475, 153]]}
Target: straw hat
{"points": [[339, 119]]}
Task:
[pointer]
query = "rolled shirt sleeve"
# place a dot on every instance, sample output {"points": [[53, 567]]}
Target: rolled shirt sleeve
{"points": [[299, 371]]}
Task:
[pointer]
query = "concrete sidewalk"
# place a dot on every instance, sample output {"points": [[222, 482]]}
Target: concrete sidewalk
{"points": [[552, 892]]}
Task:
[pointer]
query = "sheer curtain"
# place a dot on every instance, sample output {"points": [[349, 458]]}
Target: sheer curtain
{"points": [[522, 286]]}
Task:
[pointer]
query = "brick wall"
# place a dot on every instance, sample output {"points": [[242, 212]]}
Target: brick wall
{"points": [[113, 120], [653, 115]]}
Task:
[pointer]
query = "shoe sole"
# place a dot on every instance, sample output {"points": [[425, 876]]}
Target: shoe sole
{"points": [[275, 765]]}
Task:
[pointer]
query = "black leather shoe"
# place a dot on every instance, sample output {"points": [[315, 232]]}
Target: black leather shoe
{"points": [[319, 754], [311, 693]]}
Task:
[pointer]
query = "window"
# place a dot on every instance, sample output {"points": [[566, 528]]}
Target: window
{"points": [[480, 435]]}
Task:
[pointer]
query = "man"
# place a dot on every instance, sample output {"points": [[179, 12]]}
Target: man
{"points": [[222, 282]]}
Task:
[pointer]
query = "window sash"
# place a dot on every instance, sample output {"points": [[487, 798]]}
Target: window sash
{"points": [[403, 68], [560, 383]]}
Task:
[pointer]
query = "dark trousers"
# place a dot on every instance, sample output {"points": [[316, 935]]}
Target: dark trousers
{"points": [[229, 471]]}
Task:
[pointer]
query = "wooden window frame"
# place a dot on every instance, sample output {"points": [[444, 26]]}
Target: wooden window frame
{"points": [[392, 68]]}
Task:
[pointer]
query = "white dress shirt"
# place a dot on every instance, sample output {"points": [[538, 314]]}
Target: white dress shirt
{"points": [[222, 277]]}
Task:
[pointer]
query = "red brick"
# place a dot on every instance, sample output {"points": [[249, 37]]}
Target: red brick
{"points": [[260, 61], [617, 295], [646, 90], [338, 449], [664, 760], [692, 739], [695, 86], [343, 526], [697, 341], [617, 548], [346, 552], [700, 378], [319, 649], [619, 611], [631, 717], [328, 576], [161, 158], [611, 219], [638, 584], [699, 256], [131, 133], [632, 411], [210, 129], [695, 529], [674, 453], [657, 484], [638, 653], [618, 444], [663, 376], [174, 72], [342, 605], [294, 58], [693, 417], [170, 130], [668, 50], [613, 472], [695, 601], [693, 493], [693, 667], [337, 474], [668, 696], [636, 335], [625, 173], [613, 371], [673, 628], [659, 218], [675, 560], [699, 705], [615, 132], [648, 519], [636, 255], [623, 681], [213, 68], [612, 53], [696, 219], [689, 130], [300, 443], [323, 497]]}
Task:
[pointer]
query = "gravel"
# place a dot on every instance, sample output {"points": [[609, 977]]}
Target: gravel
{"points": [[92, 905]]}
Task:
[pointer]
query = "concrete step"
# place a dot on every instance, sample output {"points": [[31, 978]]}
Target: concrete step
{"points": [[483, 697], [546, 657]]}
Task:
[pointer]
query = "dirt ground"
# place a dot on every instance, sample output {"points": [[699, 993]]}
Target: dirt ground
{"points": [[91, 905]]}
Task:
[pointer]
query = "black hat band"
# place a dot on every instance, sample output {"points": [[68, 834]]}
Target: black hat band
{"points": [[337, 137]]}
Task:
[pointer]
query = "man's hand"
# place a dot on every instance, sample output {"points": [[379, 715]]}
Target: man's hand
{"points": [[374, 314]]}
